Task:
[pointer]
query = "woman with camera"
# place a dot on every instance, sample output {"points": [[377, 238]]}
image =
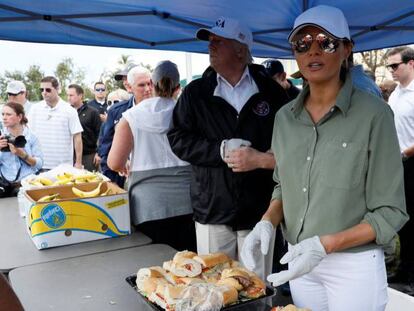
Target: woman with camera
{"points": [[20, 152]]}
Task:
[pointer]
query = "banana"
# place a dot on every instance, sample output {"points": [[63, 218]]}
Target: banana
{"points": [[68, 175], [87, 194], [35, 182], [45, 181], [107, 192], [49, 197]]}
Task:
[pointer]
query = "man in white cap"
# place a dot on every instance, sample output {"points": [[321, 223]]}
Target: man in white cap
{"points": [[16, 92], [233, 99]]}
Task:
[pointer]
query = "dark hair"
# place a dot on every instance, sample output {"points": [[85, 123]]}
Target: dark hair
{"points": [[406, 53], [99, 82], [19, 110], [52, 80], [347, 64], [165, 87], [77, 87]]}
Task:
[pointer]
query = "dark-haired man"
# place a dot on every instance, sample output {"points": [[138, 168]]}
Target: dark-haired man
{"points": [[56, 124], [400, 62], [91, 123], [99, 102]]}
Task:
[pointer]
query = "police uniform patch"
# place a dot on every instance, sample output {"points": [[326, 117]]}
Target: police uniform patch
{"points": [[261, 109]]}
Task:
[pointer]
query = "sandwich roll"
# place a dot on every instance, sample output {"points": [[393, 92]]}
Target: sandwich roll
{"points": [[184, 254], [230, 294], [237, 275], [149, 285], [211, 260], [183, 267], [256, 289], [152, 272], [289, 308]]}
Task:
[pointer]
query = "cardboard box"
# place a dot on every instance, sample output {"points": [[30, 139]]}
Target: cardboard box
{"points": [[72, 219]]}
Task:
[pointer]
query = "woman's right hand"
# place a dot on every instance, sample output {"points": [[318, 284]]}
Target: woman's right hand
{"points": [[3, 142]]}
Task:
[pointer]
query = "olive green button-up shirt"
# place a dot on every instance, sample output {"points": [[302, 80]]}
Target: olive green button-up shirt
{"points": [[342, 171]]}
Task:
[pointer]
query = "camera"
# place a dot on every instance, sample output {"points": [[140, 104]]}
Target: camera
{"points": [[18, 142]]}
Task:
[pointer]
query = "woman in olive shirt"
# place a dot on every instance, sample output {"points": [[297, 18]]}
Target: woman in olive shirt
{"points": [[340, 194]]}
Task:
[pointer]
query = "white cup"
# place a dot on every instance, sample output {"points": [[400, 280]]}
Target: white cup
{"points": [[228, 145]]}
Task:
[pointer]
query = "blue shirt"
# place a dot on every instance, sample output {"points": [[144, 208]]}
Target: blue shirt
{"points": [[10, 163], [363, 82]]}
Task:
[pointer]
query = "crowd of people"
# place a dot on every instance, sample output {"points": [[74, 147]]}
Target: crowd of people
{"points": [[243, 162]]}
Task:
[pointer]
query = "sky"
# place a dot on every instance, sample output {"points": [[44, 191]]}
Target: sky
{"points": [[93, 60]]}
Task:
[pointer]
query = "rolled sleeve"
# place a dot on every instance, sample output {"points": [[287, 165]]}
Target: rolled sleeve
{"points": [[385, 183]]}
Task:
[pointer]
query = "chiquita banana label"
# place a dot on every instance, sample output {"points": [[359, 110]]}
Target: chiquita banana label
{"points": [[75, 215]]}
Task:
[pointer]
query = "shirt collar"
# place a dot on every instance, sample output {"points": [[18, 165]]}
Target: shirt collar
{"points": [[245, 75], [409, 87], [343, 100]]}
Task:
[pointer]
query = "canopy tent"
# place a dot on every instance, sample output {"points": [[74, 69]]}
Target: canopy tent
{"points": [[171, 25]]}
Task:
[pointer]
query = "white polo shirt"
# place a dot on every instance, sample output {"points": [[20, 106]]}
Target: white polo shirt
{"points": [[237, 95], [55, 127], [401, 102]]}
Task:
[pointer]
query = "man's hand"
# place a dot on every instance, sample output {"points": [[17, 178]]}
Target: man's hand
{"points": [[96, 160], [306, 256], [103, 117], [257, 240], [246, 159]]}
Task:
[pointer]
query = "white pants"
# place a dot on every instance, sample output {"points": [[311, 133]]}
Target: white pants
{"points": [[221, 238], [343, 282]]}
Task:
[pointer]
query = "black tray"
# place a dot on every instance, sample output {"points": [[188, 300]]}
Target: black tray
{"points": [[244, 305]]}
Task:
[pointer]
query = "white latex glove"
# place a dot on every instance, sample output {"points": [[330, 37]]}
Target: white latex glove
{"points": [[259, 237], [307, 254]]}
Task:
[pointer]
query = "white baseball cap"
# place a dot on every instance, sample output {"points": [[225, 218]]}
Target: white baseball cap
{"points": [[228, 28], [15, 87], [328, 18]]}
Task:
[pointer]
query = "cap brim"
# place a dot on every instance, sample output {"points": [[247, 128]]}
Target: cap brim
{"points": [[203, 34], [297, 28]]}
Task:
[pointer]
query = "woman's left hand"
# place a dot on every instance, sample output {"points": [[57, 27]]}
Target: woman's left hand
{"points": [[306, 255]]}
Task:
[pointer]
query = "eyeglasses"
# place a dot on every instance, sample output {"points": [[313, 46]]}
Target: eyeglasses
{"points": [[111, 102], [394, 66], [46, 89], [100, 90], [326, 43]]}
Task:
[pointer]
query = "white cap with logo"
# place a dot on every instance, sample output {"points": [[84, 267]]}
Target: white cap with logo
{"points": [[228, 28], [15, 87], [328, 18]]}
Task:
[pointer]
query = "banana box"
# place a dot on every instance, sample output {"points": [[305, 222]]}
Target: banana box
{"points": [[70, 214]]}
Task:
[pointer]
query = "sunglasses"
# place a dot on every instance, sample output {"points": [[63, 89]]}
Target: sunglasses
{"points": [[394, 66], [111, 102], [326, 43], [100, 90], [46, 89]]}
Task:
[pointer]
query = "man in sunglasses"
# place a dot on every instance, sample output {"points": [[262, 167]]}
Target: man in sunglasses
{"points": [[233, 99], [99, 102], [400, 62], [56, 124]]}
